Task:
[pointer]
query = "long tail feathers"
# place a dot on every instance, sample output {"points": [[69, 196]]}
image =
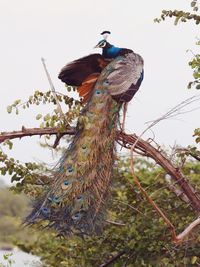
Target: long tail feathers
{"points": [[74, 200]]}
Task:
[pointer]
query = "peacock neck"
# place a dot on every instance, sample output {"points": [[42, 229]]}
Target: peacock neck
{"points": [[110, 51]]}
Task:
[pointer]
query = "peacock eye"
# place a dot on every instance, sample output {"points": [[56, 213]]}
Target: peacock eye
{"points": [[98, 92], [70, 169], [66, 182], [76, 216], [79, 198], [56, 199], [84, 147], [45, 210]]}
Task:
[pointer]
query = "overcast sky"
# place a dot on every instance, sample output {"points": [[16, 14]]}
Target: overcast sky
{"points": [[63, 30]]}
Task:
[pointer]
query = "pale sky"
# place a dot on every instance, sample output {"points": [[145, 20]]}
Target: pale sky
{"points": [[64, 30]]}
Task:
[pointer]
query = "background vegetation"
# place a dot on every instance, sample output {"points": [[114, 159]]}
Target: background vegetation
{"points": [[138, 234]]}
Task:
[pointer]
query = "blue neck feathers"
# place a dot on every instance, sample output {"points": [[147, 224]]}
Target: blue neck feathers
{"points": [[111, 51]]}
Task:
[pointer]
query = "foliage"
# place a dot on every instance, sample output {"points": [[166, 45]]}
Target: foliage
{"points": [[13, 208], [9, 261], [55, 119], [180, 15], [140, 234], [23, 174]]}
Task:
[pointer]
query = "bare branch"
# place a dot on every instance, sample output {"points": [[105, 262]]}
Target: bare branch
{"points": [[33, 131], [53, 89], [116, 223], [188, 230], [128, 141], [177, 191]]}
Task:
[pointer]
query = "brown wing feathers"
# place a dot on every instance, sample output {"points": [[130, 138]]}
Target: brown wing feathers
{"points": [[77, 71], [83, 73], [86, 87]]}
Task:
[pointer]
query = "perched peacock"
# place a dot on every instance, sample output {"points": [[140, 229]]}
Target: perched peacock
{"points": [[74, 200]]}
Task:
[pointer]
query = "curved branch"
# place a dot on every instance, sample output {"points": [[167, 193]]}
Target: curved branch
{"points": [[175, 173]]}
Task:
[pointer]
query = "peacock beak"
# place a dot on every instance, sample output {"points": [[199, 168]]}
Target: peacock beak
{"points": [[97, 46]]}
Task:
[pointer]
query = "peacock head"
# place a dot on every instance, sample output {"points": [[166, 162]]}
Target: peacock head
{"points": [[103, 43]]}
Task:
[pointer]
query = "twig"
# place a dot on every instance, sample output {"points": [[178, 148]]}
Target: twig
{"points": [[133, 208], [188, 230], [114, 258], [115, 223], [53, 89], [178, 150], [57, 140], [175, 111]]}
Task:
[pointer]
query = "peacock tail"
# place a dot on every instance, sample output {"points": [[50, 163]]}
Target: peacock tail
{"points": [[74, 200]]}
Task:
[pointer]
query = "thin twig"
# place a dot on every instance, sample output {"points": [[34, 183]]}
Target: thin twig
{"points": [[116, 223], [175, 111], [188, 230], [133, 208], [53, 89], [114, 258]]}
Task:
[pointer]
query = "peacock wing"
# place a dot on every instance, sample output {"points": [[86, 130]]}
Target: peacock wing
{"points": [[126, 74], [77, 71], [83, 73]]}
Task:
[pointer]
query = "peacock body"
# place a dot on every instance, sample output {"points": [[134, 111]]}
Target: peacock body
{"points": [[74, 200]]}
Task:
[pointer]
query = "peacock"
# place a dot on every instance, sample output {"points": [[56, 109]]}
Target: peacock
{"points": [[74, 201]]}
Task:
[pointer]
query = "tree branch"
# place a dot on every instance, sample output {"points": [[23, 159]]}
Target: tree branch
{"points": [[188, 230], [33, 131], [126, 141], [176, 174]]}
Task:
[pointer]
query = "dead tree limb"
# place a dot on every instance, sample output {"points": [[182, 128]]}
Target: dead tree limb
{"points": [[33, 131], [176, 174]]}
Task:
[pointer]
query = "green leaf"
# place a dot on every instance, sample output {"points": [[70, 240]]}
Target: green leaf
{"points": [[194, 259], [9, 109], [193, 4], [15, 178], [47, 117], [17, 102], [39, 116], [176, 20]]}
